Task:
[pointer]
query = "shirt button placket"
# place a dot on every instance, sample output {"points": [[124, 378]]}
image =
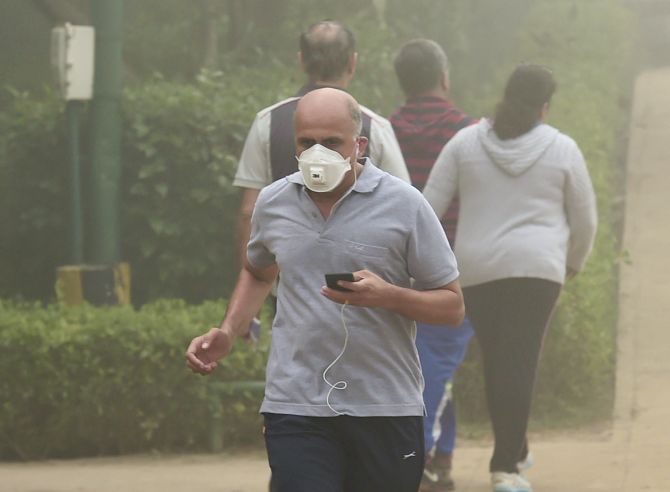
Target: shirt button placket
{"points": [[319, 224]]}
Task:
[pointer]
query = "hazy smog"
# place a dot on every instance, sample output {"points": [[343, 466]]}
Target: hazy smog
{"points": [[365, 245]]}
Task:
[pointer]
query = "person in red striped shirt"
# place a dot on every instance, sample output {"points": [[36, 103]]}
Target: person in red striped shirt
{"points": [[423, 125]]}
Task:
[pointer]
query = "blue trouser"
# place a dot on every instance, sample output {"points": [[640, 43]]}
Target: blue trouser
{"points": [[441, 350]]}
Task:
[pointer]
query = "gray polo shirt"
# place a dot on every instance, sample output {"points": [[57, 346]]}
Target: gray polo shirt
{"points": [[383, 225]]}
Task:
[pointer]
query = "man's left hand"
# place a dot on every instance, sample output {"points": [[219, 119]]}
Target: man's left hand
{"points": [[369, 290]]}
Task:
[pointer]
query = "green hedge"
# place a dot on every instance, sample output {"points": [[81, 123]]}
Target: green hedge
{"points": [[89, 381]]}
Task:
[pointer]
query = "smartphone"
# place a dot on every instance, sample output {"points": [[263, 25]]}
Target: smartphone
{"points": [[332, 278]]}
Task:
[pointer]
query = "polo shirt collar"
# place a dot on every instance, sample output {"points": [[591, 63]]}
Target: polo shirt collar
{"points": [[367, 181]]}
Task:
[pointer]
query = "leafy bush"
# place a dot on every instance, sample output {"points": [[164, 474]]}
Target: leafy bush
{"points": [[82, 381], [180, 150], [32, 202], [181, 145], [178, 206]]}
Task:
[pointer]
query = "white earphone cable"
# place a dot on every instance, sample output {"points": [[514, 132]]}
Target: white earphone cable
{"points": [[339, 385]]}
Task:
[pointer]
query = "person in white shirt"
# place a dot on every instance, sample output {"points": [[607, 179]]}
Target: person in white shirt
{"points": [[328, 57], [527, 222]]}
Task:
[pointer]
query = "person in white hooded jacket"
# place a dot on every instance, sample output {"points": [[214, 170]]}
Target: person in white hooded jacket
{"points": [[527, 222]]}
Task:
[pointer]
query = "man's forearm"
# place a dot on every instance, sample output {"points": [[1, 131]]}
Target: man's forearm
{"points": [[437, 307], [245, 302]]}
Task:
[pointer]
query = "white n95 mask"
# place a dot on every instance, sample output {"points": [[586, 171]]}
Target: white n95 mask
{"points": [[322, 169]]}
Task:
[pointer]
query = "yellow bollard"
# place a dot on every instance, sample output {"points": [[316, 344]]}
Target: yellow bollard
{"points": [[95, 284]]}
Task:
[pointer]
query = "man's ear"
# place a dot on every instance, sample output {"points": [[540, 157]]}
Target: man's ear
{"points": [[445, 82], [544, 111], [362, 146], [351, 67]]}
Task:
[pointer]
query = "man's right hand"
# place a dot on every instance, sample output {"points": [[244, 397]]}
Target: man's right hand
{"points": [[204, 351]]}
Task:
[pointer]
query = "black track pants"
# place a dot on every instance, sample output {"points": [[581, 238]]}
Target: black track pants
{"points": [[510, 317]]}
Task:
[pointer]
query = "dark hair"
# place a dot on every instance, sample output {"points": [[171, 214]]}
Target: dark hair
{"points": [[420, 65], [326, 47], [528, 89]]}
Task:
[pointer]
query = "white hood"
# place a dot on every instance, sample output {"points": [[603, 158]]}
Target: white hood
{"points": [[516, 155]]}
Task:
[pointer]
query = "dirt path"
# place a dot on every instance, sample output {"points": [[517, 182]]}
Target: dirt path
{"points": [[631, 456]]}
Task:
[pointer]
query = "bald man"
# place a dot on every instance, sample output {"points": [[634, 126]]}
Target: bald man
{"points": [[343, 405]]}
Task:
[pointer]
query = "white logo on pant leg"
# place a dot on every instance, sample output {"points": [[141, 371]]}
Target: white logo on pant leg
{"points": [[430, 475], [409, 455]]}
